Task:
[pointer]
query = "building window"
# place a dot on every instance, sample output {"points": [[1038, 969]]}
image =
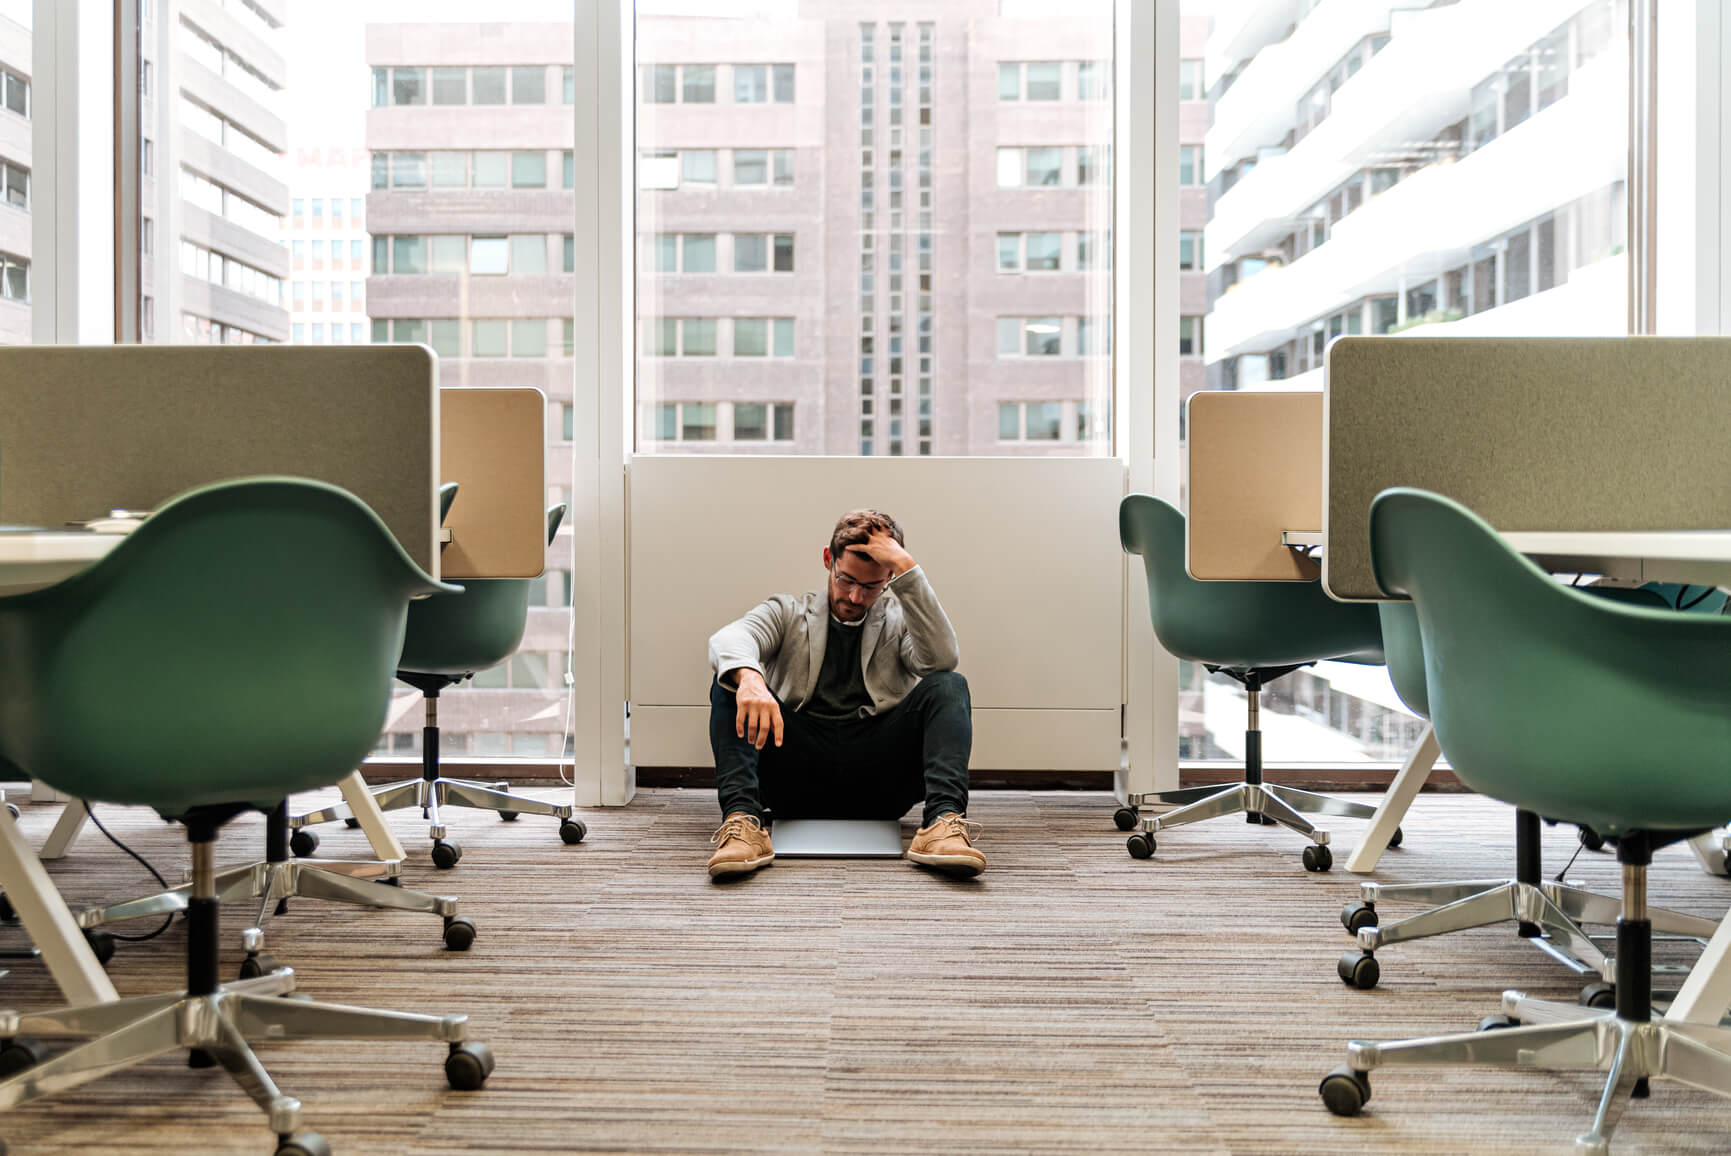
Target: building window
{"points": [[1093, 80], [17, 185], [697, 166], [660, 84], [568, 82], [762, 337], [450, 86], [489, 256], [1030, 421], [1045, 81], [488, 338], [570, 254], [1190, 164], [529, 337], [783, 80], [529, 170], [14, 278], [529, 84], [16, 93], [762, 421], [1190, 250], [699, 87], [1190, 337], [488, 86], [750, 84], [408, 86], [1030, 336], [1190, 85]]}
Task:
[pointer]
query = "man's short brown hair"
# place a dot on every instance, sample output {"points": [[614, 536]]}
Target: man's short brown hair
{"points": [[857, 526]]}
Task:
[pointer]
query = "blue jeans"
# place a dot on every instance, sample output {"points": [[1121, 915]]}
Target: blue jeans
{"points": [[856, 768]]}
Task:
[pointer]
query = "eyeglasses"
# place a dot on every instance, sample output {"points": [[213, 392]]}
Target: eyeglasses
{"points": [[846, 584]]}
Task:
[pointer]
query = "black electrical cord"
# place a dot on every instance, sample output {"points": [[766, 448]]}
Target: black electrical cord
{"points": [[154, 874], [1578, 847]]}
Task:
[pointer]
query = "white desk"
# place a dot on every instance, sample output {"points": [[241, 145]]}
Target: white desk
{"points": [[30, 560], [1698, 557]]}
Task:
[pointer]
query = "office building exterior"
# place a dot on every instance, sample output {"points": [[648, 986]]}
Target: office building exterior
{"points": [[1387, 167], [15, 183], [467, 215], [214, 184]]}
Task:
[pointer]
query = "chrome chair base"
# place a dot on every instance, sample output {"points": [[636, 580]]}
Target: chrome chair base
{"points": [[222, 1026], [1556, 1036], [1268, 803], [271, 883], [1555, 910], [432, 795]]}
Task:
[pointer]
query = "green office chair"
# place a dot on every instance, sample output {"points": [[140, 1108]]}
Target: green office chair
{"points": [[1253, 632], [269, 614], [1546, 913], [1563, 705], [448, 640]]}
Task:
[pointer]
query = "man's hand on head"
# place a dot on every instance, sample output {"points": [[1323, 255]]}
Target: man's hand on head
{"points": [[886, 551]]}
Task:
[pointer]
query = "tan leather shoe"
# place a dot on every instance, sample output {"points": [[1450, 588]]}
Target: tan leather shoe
{"points": [[742, 845], [948, 845]]}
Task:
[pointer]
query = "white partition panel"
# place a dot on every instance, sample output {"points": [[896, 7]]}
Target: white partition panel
{"points": [[1023, 554]]}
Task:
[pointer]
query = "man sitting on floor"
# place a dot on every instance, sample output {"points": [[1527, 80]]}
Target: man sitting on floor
{"points": [[843, 703]]}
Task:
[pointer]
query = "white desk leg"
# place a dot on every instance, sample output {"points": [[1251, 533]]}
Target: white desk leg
{"points": [[1394, 804], [378, 832], [66, 829], [51, 926], [1706, 994], [1709, 848]]}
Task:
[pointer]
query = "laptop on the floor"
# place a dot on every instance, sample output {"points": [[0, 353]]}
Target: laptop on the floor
{"points": [[837, 838]]}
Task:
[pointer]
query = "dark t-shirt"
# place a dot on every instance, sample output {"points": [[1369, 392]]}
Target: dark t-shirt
{"points": [[841, 691]]}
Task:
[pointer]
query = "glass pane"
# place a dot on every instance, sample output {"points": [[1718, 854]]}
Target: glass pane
{"points": [[750, 167], [1045, 419], [783, 337], [529, 170], [489, 85], [529, 85], [750, 422], [448, 254], [750, 83], [698, 252], [529, 338], [450, 170], [1009, 252], [450, 86], [750, 337], [1043, 251], [1009, 421], [697, 166], [488, 256], [1009, 81], [529, 254], [1361, 257], [750, 253], [490, 170], [1045, 81], [699, 84], [408, 255], [488, 339]]}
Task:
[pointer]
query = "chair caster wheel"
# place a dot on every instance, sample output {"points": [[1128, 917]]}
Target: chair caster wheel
{"points": [[7, 915], [303, 843], [1126, 818], [351, 822], [509, 816], [1397, 838], [101, 943], [1345, 1091], [446, 855], [1255, 817], [1599, 995], [1140, 845], [459, 933], [257, 964], [303, 1144], [1358, 969], [1498, 1023], [572, 831], [18, 1054], [1317, 857], [468, 1066], [1356, 915]]}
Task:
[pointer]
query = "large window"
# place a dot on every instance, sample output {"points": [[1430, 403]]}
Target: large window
{"points": [[803, 254], [340, 181], [1363, 255]]}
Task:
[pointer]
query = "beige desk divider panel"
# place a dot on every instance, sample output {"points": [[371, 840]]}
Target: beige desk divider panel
{"points": [[87, 429], [493, 444], [1533, 434], [1255, 470]]}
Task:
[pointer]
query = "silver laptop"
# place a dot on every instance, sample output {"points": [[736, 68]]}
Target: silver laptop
{"points": [[837, 839]]}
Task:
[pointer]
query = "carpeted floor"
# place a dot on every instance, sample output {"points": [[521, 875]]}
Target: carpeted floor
{"points": [[1070, 1000]]}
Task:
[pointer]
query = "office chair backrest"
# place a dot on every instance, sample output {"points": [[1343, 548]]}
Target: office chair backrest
{"points": [[239, 645], [1242, 625], [480, 628], [1573, 706]]}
